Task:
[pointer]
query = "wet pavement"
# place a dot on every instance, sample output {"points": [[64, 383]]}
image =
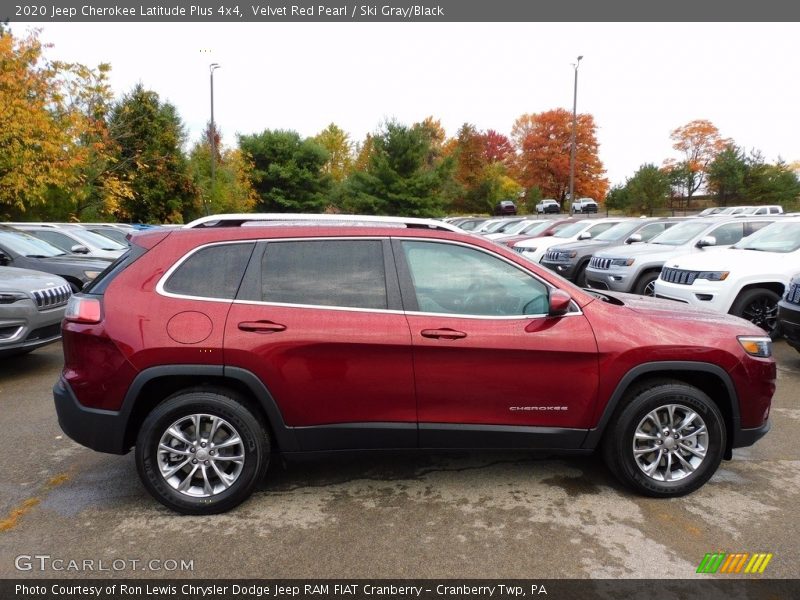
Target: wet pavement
{"points": [[466, 515]]}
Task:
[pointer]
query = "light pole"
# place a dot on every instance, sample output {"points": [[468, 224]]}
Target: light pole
{"points": [[212, 132], [574, 132]]}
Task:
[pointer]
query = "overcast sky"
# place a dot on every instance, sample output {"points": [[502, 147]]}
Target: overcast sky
{"points": [[639, 80]]}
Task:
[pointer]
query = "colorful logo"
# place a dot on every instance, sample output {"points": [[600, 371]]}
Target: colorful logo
{"points": [[741, 562]]}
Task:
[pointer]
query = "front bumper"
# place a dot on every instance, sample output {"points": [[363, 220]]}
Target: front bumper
{"points": [[701, 293], [789, 323], [614, 279], [101, 430], [566, 270], [23, 327]]}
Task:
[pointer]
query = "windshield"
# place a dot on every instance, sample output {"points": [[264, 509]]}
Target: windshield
{"points": [[618, 231], [114, 234], [778, 237], [571, 230], [680, 233], [27, 245], [516, 227], [96, 240], [535, 228]]}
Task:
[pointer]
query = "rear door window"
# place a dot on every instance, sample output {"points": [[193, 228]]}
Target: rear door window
{"points": [[341, 273]]}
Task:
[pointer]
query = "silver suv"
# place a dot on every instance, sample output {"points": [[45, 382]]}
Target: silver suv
{"points": [[32, 305], [635, 268]]}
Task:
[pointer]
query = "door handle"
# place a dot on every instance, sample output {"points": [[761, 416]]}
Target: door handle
{"points": [[261, 326], [443, 334]]}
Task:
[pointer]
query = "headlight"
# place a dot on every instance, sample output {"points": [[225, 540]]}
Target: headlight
{"points": [[756, 345], [91, 274], [713, 275], [573, 254], [11, 297], [622, 262]]}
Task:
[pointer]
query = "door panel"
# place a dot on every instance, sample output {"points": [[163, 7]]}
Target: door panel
{"points": [[318, 321], [485, 352]]}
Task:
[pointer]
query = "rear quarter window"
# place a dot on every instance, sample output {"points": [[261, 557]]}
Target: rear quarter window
{"points": [[211, 272]]}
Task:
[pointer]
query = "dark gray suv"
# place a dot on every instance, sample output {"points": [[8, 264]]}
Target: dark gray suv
{"points": [[570, 260]]}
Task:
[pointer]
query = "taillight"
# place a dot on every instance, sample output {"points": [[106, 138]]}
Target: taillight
{"points": [[82, 309]]}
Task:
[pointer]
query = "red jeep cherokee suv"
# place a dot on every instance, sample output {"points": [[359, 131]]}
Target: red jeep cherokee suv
{"points": [[212, 346]]}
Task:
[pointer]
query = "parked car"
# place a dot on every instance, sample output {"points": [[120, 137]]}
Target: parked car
{"points": [[505, 207], [539, 228], [222, 344], [584, 205], [746, 280], [707, 212], [585, 229], [120, 236], [74, 239], [18, 249], [471, 224], [789, 313], [571, 259], [548, 205], [636, 268], [772, 209], [511, 228], [32, 305]]}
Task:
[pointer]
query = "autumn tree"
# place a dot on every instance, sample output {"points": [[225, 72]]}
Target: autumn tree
{"points": [[698, 142], [543, 143], [340, 152], [288, 171], [150, 135], [35, 125], [398, 179]]}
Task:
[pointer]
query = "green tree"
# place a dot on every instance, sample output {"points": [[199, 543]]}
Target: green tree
{"points": [[647, 190], [150, 135], [618, 198], [398, 179], [287, 172], [770, 184], [727, 174], [232, 191]]}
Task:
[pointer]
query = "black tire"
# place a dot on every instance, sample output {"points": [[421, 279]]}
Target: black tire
{"points": [[644, 286], [620, 443], [232, 414], [760, 307]]}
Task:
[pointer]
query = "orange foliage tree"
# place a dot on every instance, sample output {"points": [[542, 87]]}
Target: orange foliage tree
{"points": [[542, 142], [698, 142]]}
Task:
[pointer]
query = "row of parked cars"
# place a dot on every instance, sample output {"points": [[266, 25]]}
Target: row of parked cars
{"points": [[41, 266], [741, 264]]}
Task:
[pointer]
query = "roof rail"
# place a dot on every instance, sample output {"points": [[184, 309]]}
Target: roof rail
{"points": [[246, 219]]}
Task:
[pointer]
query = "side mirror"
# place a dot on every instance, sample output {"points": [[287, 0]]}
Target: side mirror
{"points": [[708, 240], [5, 259], [559, 302], [636, 237], [585, 236], [79, 249]]}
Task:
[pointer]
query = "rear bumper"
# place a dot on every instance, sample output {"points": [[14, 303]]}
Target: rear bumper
{"points": [[747, 437], [101, 430]]}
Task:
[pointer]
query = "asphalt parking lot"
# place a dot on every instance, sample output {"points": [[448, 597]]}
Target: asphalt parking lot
{"points": [[422, 516]]}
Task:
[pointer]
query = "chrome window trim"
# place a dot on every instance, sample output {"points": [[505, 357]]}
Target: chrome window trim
{"points": [[574, 311]]}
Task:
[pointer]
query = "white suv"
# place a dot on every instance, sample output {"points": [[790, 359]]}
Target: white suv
{"points": [[746, 280]]}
